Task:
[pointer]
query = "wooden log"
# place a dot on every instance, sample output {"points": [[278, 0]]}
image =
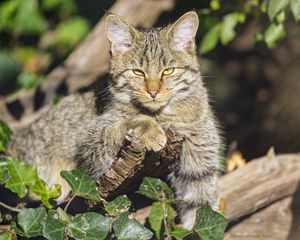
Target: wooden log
{"points": [[134, 162], [87, 62], [260, 183], [280, 221]]}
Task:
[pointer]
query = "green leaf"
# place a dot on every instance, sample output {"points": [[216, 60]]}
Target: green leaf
{"points": [[295, 7], [3, 169], [90, 226], [54, 227], [7, 12], [41, 189], [30, 222], [69, 33], [275, 6], [280, 17], [156, 218], [9, 70], [118, 205], [210, 224], [28, 80], [229, 23], [81, 183], [180, 233], [5, 135], [21, 176], [29, 19], [156, 189], [171, 214], [210, 39], [215, 5], [126, 227], [273, 34], [64, 7], [7, 235]]}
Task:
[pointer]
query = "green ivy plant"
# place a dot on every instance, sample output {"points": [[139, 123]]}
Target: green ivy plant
{"points": [[54, 223], [221, 23]]}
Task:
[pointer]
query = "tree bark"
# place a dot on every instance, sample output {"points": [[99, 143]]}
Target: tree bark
{"points": [[87, 62]]}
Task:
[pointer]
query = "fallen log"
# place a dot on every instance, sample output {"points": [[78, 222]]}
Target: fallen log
{"points": [[280, 220], [260, 183], [87, 62]]}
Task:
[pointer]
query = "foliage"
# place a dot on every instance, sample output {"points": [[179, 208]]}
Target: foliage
{"points": [[5, 134], [23, 64], [81, 183], [220, 24], [58, 224]]}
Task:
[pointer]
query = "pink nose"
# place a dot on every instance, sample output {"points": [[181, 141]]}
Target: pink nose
{"points": [[152, 93]]}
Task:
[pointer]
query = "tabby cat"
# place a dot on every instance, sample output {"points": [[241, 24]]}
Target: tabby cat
{"points": [[155, 81]]}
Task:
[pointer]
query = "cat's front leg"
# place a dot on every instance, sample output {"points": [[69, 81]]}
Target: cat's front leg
{"points": [[195, 176], [100, 145]]}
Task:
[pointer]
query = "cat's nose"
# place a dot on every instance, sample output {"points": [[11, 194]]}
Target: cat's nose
{"points": [[153, 93]]}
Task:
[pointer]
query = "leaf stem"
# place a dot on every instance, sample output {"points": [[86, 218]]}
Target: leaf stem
{"points": [[13, 209], [67, 206], [165, 222]]}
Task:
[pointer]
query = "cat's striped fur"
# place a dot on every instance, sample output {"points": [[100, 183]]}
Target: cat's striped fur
{"points": [[155, 81]]}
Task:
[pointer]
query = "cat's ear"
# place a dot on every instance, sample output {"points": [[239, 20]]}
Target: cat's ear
{"points": [[120, 34], [182, 33]]}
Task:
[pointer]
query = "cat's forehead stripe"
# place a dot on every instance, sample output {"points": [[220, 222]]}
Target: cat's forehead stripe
{"points": [[152, 50]]}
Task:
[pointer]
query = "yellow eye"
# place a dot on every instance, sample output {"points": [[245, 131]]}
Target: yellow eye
{"points": [[168, 71], [138, 72]]}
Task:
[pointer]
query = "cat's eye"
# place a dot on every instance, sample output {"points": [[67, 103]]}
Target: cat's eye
{"points": [[168, 71], [138, 72]]}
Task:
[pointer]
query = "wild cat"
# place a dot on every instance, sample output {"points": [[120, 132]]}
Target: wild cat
{"points": [[155, 80]]}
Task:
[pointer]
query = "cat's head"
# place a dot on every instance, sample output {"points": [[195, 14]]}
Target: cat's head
{"points": [[153, 67]]}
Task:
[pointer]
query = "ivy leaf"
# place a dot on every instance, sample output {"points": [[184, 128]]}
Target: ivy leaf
{"points": [[8, 235], [275, 6], [156, 218], [229, 23], [210, 224], [273, 34], [171, 214], [210, 39], [295, 7], [54, 227], [41, 189], [89, 226], [180, 233], [21, 176], [81, 183], [5, 134], [30, 222], [118, 205], [156, 189], [126, 227], [3, 169]]}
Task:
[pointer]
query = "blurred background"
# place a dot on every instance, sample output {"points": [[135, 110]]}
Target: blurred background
{"points": [[249, 51]]}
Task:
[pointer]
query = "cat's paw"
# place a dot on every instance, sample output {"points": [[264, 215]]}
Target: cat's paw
{"points": [[149, 132]]}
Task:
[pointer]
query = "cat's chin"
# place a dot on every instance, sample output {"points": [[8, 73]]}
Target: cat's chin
{"points": [[154, 106]]}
